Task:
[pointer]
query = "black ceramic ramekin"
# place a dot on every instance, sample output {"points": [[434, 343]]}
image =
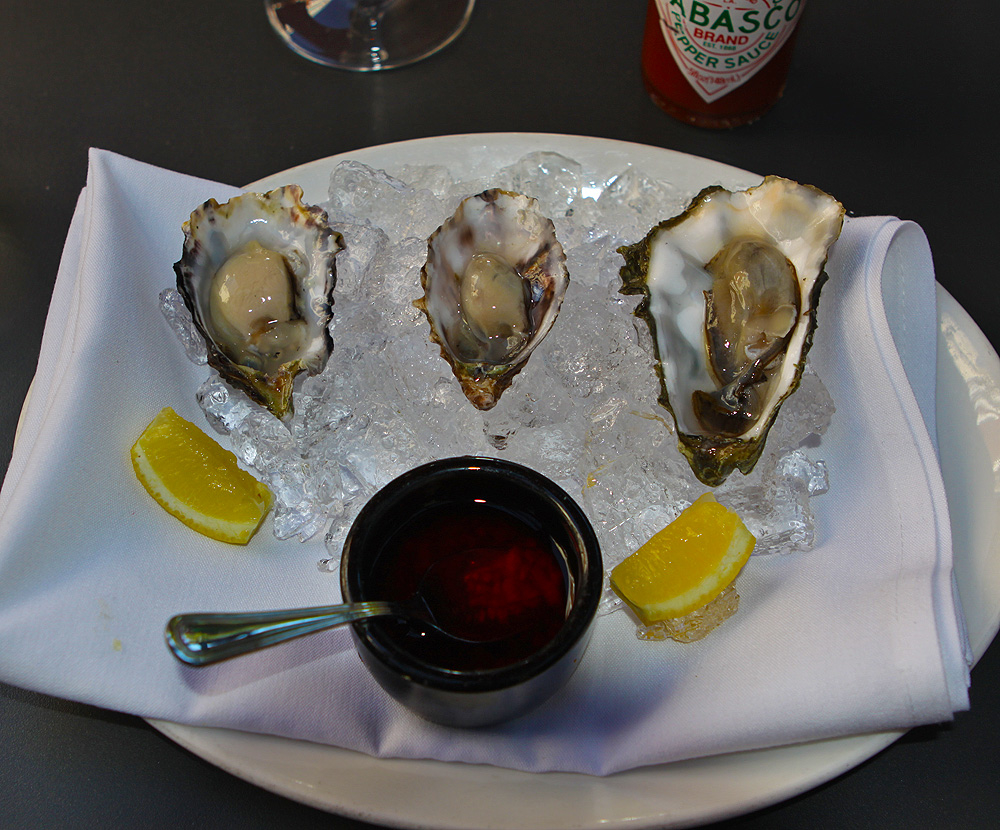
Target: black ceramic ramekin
{"points": [[480, 696]]}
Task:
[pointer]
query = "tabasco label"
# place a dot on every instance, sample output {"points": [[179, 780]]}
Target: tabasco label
{"points": [[720, 44]]}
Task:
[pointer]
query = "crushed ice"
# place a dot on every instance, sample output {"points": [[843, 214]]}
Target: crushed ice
{"points": [[583, 411]]}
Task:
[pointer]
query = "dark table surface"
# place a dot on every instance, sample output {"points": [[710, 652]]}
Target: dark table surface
{"points": [[890, 106]]}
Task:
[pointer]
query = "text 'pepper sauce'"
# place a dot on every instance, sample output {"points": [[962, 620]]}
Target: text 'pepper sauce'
{"points": [[718, 64]]}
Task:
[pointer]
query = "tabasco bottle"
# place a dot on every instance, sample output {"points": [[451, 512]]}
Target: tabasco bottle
{"points": [[718, 63]]}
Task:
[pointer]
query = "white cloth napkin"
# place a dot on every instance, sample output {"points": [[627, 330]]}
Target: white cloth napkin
{"points": [[863, 633]]}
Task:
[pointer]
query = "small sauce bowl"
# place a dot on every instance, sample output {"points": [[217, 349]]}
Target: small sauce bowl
{"points": [[540, 560]]}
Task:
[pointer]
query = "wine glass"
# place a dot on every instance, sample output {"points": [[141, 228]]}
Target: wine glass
{"points": [[366, 35]]}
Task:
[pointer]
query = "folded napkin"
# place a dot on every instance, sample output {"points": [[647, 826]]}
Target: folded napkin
{"points": [[863, 633]]}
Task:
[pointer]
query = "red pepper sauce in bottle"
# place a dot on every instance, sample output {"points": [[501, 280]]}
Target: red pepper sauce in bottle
{"points": [[718, 44]]}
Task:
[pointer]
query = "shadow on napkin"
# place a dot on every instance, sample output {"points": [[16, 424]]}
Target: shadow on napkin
{"points": [[220, 678]]}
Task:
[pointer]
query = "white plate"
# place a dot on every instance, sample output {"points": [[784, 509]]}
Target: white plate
{"points": [[434, 794]]}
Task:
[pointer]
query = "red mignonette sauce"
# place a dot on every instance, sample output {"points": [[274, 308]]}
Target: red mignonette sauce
{"points": [[499, 578], [718, 63]]}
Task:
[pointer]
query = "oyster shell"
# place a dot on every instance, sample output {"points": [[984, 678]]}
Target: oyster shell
{"points": [[730, 292], [257, 274], [493, 283]]}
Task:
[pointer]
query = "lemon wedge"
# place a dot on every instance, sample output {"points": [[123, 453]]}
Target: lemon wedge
{"points": [[685, 565], [198, 481]]}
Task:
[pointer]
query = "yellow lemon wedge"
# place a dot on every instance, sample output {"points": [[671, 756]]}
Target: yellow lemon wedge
{"points": [[685, 565], [198, 481]]}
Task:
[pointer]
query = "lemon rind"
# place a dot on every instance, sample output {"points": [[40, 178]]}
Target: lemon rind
{"points": [[650, 611], [213, 526]]}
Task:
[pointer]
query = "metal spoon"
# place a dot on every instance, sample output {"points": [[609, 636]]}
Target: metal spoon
{"points": [[200, 639]]}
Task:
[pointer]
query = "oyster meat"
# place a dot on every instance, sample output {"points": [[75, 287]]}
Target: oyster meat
{"points": [[730, 292], [257, 274], [493, 283]]}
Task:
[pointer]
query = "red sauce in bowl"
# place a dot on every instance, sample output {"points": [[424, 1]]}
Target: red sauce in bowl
{"points": [[500, 577]]}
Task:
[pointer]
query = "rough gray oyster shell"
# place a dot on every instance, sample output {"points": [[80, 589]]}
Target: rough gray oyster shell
{"points": [[257, 274], [494, 281], [730, 288]]}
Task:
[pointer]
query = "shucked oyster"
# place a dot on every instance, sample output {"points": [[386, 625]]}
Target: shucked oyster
{"points": [[493, 282], [257, 275], [731, 287]]}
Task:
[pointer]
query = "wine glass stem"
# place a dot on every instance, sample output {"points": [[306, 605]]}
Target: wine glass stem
{"points": [[365, 26]]}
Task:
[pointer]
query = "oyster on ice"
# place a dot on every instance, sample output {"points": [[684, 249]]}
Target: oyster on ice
{"points": [[257, 274], [730, 292], [493, 283]]}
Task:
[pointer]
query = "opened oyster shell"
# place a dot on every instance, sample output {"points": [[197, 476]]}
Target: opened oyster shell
{"points": [[493, 283], [257, 275], [730, 292]]}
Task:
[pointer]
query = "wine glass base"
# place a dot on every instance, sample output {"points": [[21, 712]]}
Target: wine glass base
{"points": [[367, 36]]}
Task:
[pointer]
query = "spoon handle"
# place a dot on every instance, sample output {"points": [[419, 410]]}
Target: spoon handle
{"points": [[200, 639]]}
